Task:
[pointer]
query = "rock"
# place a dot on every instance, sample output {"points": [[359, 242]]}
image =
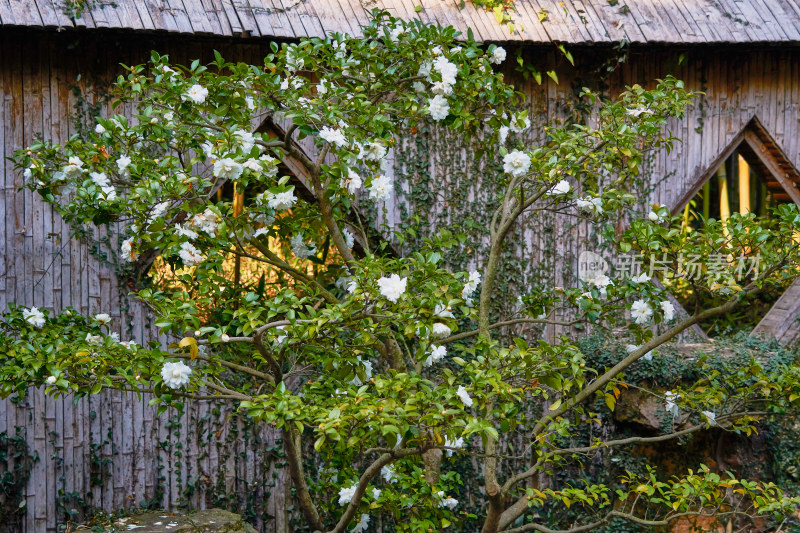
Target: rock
{"points": [[207, 521], [638, 407]]}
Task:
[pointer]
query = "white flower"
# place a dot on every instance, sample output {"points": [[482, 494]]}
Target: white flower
{"points": [[205, 221], [185, 232], [498, 56], [638, 110], [352, 286], [126, 250], [94, 339], [502, 134], [464, 396], [516, 163], [362, 525], [395, 33], [458, 443], [175, 375], [381, 188], [190, 255], [374, 151], [349, 240], [367, 372], [448, 503], [711, 417], [300, 248], [471, 285], [227, 169], [73, 168], [196, 93], [670, 398], [392, 287], [376, 492], [253, 165], [130, 345], [122, 164], [598, 279], [282, 200], [103, 318], [590, 205], [440, 330], [352, 182], [562, 187], [51, 380], [446, 69], [443, 312], [641, 278], [100, 179], [438, 107], [437, 354], [99, 129], [322, 86], [630, 348], [280, 335], [668, 309], [245, 139], [114, 336], [34, 317], [519, 123], [641, 312], [346, 494], [655, 217], [333, 136], [388, 473]]}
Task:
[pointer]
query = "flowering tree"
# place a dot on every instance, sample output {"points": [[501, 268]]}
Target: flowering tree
{"points": [[377, 369]]}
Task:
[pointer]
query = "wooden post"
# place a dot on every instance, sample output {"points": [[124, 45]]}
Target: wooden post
{"points": [[238, 204], [744, 186], [706, 200], [724, 204]]}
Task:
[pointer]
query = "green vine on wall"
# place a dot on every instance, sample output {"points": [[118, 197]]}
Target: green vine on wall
{"points": [[16, 463]]}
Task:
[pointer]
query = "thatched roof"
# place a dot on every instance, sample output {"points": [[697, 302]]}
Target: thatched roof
{"points": [[536, 21]]}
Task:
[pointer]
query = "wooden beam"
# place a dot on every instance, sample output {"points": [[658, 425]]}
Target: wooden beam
{"points": [[766, 157]]}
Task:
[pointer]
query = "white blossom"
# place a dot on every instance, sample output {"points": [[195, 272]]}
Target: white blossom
{"points": [[440, 330], [670, 398], [176, 375], [362, 525], [502, 134], [190, 255], [519, 123], [228, 169], [392, 287], [381, 188], [196, 93], [458, 444], [438, 107], [51, 380], [349, 240], [655, 217], [593, 206], [185, 232], [376, 492], [641, 278], [638, 110], [711, 417], [333, 136], [126, 250], [94, 339], [352, 182], [389, 474], [464, 396], [498, 56], [471, 285], [253, 165], [436, 354], [346, 494], [73, 168], [641, 312], [99, 129], [443, 312], [668, 309], [374, 151], [300, 248], [245, 139], [516, 163], [560, 188], [34, 317], [282, 200], [448, 503], [205, 221], [103, 318], [123, 162]]}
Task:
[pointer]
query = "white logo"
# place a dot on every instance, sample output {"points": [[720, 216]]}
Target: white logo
{"points": [[590, 265]]}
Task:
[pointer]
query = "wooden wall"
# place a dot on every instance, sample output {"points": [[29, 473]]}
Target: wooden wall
{"points": [[40, 265]]}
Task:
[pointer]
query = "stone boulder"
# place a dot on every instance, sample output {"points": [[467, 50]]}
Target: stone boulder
{"points": [[207, 521]]}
